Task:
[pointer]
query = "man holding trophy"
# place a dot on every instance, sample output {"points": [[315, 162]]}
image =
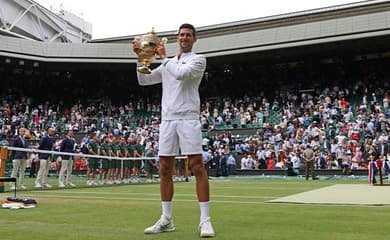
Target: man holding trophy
{"points": [[180, 129]]}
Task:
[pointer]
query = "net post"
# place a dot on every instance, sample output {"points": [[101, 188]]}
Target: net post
{"points": [[3, 161]]}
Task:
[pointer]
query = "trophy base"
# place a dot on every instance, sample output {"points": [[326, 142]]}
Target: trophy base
{"points": [[144, 70]]}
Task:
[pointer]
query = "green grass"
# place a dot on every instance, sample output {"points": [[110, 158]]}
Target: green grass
{"points": [[238, 209]]}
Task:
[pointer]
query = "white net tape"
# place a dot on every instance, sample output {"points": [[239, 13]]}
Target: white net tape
{"points": [[82, 155]]}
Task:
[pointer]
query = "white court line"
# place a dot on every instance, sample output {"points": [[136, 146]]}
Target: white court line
{"points": [[158, 194], [268, 188], [183, 200], [139, 199]]}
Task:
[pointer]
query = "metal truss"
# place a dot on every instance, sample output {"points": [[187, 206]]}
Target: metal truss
{"points": [[29, 20]]}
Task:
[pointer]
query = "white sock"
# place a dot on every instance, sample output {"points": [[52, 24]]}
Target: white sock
{"points": [[204, 210], [167, 209]]}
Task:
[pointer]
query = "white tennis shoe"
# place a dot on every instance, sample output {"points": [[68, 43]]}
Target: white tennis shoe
{"points": [[206, 228], [162, 225]]}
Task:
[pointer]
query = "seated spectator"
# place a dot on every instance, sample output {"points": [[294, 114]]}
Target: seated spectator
{"points": [[244, 161], [280, 165], [271, 161], [331, 161]]}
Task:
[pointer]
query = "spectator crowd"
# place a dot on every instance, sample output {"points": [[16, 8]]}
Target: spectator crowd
{"points": [[346, 127]]}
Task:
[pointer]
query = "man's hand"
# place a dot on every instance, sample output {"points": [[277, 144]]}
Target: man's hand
{"points": [[160, 50]]}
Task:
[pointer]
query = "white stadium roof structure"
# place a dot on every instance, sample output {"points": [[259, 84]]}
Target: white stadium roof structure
{"points": [[29, 31]]}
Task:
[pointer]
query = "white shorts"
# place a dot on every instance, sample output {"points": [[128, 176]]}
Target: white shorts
{"points": [[180, 137]]}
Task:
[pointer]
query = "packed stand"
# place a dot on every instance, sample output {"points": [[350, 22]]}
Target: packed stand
{"points": [[344, 132]]}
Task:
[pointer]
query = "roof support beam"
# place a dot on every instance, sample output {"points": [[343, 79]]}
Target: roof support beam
{"points": [[21, 15]]}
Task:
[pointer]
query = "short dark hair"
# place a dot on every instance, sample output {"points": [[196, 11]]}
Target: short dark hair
{"points": [[189, 26]]}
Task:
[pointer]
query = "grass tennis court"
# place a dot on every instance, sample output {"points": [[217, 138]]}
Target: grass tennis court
{"points": [[239, 210]]}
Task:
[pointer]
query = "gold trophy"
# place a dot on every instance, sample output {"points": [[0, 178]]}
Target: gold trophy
{"points": [[147, 51]]}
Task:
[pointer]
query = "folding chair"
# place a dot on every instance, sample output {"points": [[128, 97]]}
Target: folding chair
{"points": [[9, 179]]}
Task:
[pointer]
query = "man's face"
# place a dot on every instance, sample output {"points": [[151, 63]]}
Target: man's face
{"points": [[50, 131], [22, 132], [186, 39]]}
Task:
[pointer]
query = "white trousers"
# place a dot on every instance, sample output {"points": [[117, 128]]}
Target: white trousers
{"points": [[18, 166], [44, 166], [66, 166]]}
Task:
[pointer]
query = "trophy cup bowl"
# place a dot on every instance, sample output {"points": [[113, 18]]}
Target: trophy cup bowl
{"points": [[147, 50]]}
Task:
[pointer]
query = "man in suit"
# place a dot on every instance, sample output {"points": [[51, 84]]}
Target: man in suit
{"points": [[222, 165], [20, 158], [46, 143], [67, 145]]}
